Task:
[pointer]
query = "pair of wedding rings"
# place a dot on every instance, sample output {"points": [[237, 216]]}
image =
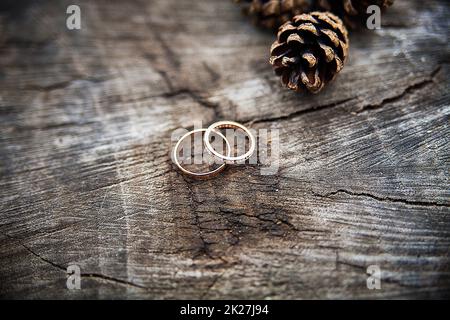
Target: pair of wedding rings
{"points": [[228, 158]]}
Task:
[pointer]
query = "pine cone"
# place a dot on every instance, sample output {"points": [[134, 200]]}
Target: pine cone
{"points": [[310, 50], [353, 12], [273, 13]]}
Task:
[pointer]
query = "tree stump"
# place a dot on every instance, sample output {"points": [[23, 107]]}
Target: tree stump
{"points": [[86, 177]]}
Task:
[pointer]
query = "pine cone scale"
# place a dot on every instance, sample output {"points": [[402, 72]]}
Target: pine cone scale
{"points": [[327, 51], [295, 38], [310, 59]]}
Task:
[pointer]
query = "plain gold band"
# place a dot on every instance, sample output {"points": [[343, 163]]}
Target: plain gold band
{"points": [[202, 175], [232, 125]]}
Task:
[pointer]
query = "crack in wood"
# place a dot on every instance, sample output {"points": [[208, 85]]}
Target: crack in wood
{"points": [[408, 90], [113, 280], [170, 55], [273, 222], [204, 249], [211, 285], [384, 199], [65, 84], [53, 126], [302, 112], [90, 275]]}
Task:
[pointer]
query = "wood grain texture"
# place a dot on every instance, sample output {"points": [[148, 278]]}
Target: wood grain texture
{"points": [[86, 177]]}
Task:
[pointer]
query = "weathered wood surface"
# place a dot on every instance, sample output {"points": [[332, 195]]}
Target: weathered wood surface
{"points": [[86, 178]]}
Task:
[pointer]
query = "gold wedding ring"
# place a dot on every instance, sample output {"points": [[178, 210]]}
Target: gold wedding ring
{"points": [[201, 175], [232, 125]]}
